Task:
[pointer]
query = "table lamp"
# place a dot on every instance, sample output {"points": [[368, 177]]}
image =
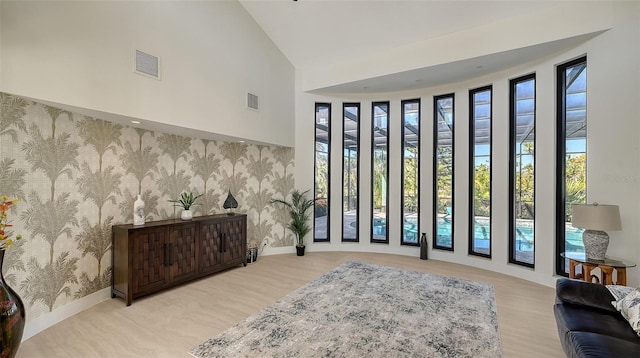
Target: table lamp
{"points": [[595, 219]]}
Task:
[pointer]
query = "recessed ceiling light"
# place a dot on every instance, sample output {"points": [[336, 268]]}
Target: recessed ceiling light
{"points": [[240, 141], [135, 122]]}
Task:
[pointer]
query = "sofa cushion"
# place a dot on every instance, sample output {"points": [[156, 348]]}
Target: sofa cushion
{"points": [[584, 294], [618, 292], [629, 307], [594, 345], [572, 318]]}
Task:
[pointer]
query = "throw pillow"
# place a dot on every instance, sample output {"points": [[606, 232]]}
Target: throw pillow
{"points": [[629, 307], [618, 291]]}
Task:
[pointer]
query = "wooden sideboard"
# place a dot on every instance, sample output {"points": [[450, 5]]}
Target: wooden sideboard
{"points": [[161, 254]]}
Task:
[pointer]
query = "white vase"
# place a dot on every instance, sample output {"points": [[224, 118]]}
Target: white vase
{"points": [[138, 211], [186, 215]]}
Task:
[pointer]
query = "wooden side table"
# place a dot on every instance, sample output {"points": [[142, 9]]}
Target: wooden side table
{"points": [[607, 267]]}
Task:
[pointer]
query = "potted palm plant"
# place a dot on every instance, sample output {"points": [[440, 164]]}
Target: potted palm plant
{"points": [[185, 201], [299, 211]]}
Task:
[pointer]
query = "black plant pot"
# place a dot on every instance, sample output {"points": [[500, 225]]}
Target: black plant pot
{"points": [[300, 250]]}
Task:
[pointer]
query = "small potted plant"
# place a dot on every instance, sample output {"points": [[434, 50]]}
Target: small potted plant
{"points": [[186, 201], [299, 212]]}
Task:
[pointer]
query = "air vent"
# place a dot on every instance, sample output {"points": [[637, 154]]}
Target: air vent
{"points": [[253, 101], [147, 64]]}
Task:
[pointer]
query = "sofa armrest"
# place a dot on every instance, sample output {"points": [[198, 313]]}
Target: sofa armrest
{"points": [[584, 294]]}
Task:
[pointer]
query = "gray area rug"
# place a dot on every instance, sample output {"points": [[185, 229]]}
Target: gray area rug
{"points": [[366, 310]]}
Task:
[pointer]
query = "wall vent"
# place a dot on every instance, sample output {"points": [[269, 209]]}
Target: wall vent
{"points": [[253, 102], [147, 64]]}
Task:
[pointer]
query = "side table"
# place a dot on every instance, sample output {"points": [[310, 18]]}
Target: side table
{"points": [[607, 267]]}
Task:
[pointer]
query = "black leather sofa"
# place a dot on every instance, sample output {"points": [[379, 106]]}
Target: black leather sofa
{"points": [[588, 325]]}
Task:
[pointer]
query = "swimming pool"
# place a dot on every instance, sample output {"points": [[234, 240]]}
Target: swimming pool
{"points": [[482, 231]]}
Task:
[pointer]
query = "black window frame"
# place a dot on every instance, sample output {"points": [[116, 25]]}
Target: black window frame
{"points": [[435, 172], [472, 167], [512, 166], [328, 198], [388, 130], [561, 151], [346, 105], [402, 177]]}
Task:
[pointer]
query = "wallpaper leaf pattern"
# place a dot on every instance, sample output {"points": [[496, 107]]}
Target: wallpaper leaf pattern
{"points": [[77, 176], [205, 167], [282, 184], [11, 179], [13, 109], [99, 187], [141, 162], [172, 184], [235, 153]]}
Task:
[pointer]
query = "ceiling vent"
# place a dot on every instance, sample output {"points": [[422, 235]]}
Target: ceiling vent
{"points": [[147, 65], [253, 102]]}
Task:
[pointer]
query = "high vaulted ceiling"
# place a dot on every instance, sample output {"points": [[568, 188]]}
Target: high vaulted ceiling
{"points": [[314, 33]]}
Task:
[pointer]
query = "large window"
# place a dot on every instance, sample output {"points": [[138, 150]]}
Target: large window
{"points": [[322, 164], [379, 171], [350, 177], [522, 170], [571, 187], [443, 139], [410, 171], [480, 125]]}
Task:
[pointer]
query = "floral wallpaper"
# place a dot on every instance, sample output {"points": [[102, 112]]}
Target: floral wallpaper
{"points": [[76, 176]]}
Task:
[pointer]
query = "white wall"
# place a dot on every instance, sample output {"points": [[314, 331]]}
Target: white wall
{"points": [[613, 167], [212, 53], [0, 43], [529, 29]]}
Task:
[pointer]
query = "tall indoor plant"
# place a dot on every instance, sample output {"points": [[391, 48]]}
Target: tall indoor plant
{"points": [[12, 314], [299, 211]]}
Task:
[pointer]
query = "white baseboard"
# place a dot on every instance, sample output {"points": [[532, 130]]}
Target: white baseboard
{"points": [[268, 250], [45, 321]]}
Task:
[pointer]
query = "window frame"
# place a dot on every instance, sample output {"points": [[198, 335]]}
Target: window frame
{"points": [[402, 177], [386, 194], [315, 168], [346, 105], [435, 172], [472, 167], [561, 151], [512, 167]]}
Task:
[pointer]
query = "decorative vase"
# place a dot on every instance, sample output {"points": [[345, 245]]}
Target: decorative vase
{"points": [[11, 317], [230, 203], [300, 250], [252, 254], [424, 247], [186, 215], [138, 211]]}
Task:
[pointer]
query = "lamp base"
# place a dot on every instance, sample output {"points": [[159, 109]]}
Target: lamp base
{"points": [[595, 244]]}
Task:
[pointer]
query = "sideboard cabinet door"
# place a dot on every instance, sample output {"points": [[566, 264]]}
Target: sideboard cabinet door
{"points": [[182, 252], [235, 244], [210, 241], [149, 269]]}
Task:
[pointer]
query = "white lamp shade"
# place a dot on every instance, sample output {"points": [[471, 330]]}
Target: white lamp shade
{"points": [[596, 217]]}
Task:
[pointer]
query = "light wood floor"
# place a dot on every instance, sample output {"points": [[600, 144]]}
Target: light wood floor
{"points": [[170, 323]]}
